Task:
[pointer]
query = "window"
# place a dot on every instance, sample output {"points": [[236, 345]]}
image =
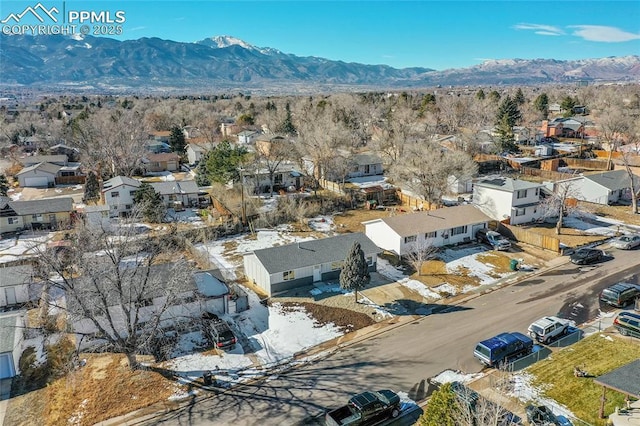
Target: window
{"points": [[288, 275], [430, 235], [132, 193], [115, 194], [277, 179], [411, 239], [128, 206], [459, 230], [114, 207], [336, 265], [36, 217], [12, 220], [66, 174], [370, 260], [520, 212], [537, 191], [521, 194]]}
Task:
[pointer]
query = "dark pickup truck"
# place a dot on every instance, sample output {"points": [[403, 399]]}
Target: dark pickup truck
{"points": [[366, 408]]}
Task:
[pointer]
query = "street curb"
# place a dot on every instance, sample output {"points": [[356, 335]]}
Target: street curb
{"points": [[322, 351]]}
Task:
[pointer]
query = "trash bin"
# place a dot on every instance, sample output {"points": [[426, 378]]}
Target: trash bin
{"points": [[514, 264]]}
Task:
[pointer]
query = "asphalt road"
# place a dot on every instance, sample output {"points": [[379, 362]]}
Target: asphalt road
{"points": [[403, 358]]}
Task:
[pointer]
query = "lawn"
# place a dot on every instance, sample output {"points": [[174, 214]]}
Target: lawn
{"points": [[568, 236], [598, 354]]}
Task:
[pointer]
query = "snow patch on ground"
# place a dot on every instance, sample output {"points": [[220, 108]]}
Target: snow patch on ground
{"points": [[420, 288], [466, 260], [525, 391], [450, 376], [447, 289]]}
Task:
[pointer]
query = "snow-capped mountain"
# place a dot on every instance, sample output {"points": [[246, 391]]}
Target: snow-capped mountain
{"points": [[224, 62]]}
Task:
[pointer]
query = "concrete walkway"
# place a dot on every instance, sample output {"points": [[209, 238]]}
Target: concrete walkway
{"points": [[5, 394]]}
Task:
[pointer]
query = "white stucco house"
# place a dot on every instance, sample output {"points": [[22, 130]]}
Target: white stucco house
{"points": [[247, 136], [196, 151], [172, 192], [405, 233], [604, 187], [11, 342], [15, 283], [505, 198], [118, 193], [285, 176], [281, 268]]}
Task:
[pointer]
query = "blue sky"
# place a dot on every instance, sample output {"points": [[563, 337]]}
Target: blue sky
{"points": [[431, 34]]}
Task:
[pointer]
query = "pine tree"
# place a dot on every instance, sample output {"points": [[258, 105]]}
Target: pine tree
{"points": [[177, 140], [4, 186], [440, 411], [91, 189], [355, 271], [150, 203], [519, 97], [287, 127], [494, 96], [507, 117], [480, 95], [542, 104]]}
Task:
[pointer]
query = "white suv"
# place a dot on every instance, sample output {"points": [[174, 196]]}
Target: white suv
{"points": [[548, 328]]}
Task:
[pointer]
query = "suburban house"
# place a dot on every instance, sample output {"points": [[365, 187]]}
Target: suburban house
{"points": [[265, 142], [118, 193], [459, 184], [160, 135], [157, 147], [204, 292], [603, 188], [11, 339], [162, 162], [562, 127], [505, 198], [73, 154], [59, 159], [96, 216], [14, 285], [49, 213], [39, 175], [247, 136], [195, 151], [286, 176], [280, 268], [365, 164], [410, 232], [178, 193]]}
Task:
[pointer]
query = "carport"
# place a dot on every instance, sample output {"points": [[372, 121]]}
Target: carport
{"points": [[625, 380]]}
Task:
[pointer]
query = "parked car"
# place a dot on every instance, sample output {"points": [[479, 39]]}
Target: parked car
{"points": [[493, 238], [626, 242], [628, 324], [366, 408], [218, 332], [502, 348], [541, 415], [620, 295], [585, 256], [546, 329]]}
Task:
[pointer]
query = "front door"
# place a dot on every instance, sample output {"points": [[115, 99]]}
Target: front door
{"points": [[10, 294], [317, 276]]}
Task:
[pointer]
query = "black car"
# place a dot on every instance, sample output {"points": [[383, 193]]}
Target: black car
{"points": [[620, 295], [218, 332], [585, 256], [540, 415]]}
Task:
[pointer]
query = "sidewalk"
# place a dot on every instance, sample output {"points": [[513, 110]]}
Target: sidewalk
{"points": [[5, 394]]}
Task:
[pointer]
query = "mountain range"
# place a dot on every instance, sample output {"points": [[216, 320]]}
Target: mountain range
{"points": [[227, 63]]}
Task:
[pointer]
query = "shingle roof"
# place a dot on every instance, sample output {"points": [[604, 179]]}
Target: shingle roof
{"points": [[46, 205], [175, 187], [625, 379], [163, 156], [43, 167], [11, 276], [315, 252], [35, 159], [507, 184], [201, 147], [435, 220], [365, 159], [613, 180], [119, 181], [8, 324]]}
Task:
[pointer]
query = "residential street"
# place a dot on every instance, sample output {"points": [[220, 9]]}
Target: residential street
{"points": [[403, 359]]}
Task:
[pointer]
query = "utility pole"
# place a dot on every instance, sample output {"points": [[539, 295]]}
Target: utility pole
{"points": [[244, 210]]}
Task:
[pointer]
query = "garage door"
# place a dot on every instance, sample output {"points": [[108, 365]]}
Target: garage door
{"points": [[36, 181], [6, 367]]}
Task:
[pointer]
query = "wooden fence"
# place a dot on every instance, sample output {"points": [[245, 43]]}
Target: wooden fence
{"points": [[331, 186], [579, 163], [544, 174], [530, 237]]}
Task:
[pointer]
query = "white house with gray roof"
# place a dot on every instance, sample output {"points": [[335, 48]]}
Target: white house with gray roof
{"points": [[11, 339], [172, 192], [39, 175], [281, 268], [407, 233], [505, 198], [605, 187], [118, 193], [15, 282]]}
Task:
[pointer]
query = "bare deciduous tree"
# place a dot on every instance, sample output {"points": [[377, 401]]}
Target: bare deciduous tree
{"points": [[556, 204], [420, 253]]}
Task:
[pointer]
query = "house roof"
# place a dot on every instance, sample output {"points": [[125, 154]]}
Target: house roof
{"points": [[46, 205], [35, 159], [11, 276], [365, 158], [200, 146], [247, 133], [625, 379], [435, 220], [315, 252], [8, 324], [41, 167], [119, 181], [175, 187], [210, 286], [163, 156], [613, 180], [506, 184]]}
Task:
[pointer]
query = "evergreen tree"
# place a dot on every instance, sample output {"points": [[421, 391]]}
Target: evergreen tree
{"points": [[4, 186], [177, 140], [541, 104], [519, 97], [440, 411], [480, 95], [507, 117], [567, 106], [150, 203], [287, 127], [91, 189], [494, 96], [355, 271], [221, 164]]}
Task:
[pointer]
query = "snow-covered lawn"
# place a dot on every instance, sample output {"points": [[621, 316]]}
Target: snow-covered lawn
{"points": [[466, 259], [23, 245], [527, 393]]}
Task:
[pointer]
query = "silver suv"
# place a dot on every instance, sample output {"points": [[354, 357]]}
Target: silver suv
{"points": [[493, 238], [547, 329]]}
